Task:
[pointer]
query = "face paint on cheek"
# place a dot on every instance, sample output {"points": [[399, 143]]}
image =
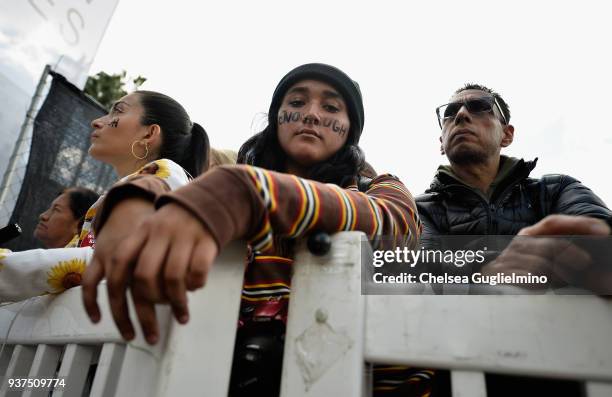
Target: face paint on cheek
{"points": [[289, 117], [114, 123], [336, 126]]}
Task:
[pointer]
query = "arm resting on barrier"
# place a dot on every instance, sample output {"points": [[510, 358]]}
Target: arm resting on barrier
{"points": [[175, 248], [248, 202]]}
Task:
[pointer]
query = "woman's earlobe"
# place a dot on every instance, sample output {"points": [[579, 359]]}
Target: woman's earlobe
{"points": [[152, 137]]}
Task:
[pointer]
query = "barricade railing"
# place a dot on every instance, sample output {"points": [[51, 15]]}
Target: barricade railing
{"points": [[332, 331]]}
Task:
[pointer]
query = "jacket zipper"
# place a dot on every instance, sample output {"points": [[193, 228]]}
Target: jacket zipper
{"points": [[492, 207], [486, 204]]}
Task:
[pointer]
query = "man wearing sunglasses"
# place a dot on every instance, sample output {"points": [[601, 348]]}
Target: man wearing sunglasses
{"points": [[483, 192]]}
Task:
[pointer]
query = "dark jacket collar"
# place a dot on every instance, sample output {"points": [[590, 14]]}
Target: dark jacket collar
{"points": [[520, 170]]}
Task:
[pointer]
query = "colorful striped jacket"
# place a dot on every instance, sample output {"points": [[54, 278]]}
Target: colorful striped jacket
{"points": [[272, 209]]}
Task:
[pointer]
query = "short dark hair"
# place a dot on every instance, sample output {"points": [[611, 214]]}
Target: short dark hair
{"points": [[80, 199], [502, 104], [183, 142]]}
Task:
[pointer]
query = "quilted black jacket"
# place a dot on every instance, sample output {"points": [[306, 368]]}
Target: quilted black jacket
{"points": [[449, 207]]}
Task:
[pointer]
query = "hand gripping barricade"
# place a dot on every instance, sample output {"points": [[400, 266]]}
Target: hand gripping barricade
{"points": [[332, 331]]}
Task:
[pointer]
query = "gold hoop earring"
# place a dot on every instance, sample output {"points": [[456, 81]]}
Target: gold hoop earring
{"points": [[146, 151]]}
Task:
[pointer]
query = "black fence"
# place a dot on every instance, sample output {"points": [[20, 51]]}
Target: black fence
{"points": [[58, 156]]}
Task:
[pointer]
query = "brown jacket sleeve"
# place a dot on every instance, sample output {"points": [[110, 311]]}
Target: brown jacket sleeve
{"points": [[147, 187], [247, 202]]}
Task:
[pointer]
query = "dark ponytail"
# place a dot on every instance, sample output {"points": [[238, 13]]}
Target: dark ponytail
{"points": [[197, 157], [183, 142]]}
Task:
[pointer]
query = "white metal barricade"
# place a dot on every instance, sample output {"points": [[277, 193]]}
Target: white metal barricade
{"points": [[52, 337], [332, 330]]}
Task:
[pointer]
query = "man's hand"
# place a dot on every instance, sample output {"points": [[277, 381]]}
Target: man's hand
{"points": [[163, 256], [554, 225], [559, 259]]}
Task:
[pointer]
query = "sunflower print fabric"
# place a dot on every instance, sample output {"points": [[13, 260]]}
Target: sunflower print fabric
{"points": [[65, 275], [36, 272]]}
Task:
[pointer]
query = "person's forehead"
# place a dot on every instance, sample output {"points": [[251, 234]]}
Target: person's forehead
{"points": [[311, 85], [469, 94], [130, 99], [62, 199]]}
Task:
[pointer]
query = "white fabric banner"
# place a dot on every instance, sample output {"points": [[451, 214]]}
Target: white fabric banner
{"points": [[65, 34]]}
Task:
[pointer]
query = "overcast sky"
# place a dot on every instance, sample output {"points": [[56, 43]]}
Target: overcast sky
{"points": [[550, 60]]}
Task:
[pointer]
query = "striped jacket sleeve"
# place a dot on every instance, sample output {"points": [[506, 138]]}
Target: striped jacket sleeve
{"points": [[247, 202]]}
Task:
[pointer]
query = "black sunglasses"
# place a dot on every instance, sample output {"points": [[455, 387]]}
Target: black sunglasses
{"points": [[474, 106]]}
